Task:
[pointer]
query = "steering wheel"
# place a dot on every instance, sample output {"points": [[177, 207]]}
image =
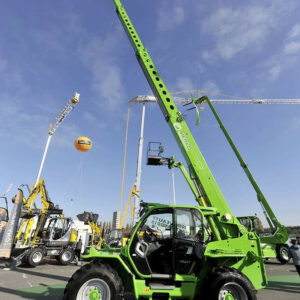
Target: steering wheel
{"points": [[150, 235]]}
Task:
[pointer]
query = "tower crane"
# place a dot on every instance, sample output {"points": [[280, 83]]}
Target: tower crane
{"points": [[144, 99]]}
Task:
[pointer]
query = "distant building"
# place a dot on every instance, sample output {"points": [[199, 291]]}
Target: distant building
{"points": [[116, 220]]}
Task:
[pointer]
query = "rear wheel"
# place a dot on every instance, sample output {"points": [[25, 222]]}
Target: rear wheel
{"points": [[35, 257], [66, 256], [228, 284], [282, 254], [94, 281]]}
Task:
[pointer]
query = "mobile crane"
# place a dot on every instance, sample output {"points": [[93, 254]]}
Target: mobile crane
{"points": [[176, 251]]}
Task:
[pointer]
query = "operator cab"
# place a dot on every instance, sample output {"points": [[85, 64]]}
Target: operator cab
{"points": [[168, 241], [58, 231], [253, 224]]}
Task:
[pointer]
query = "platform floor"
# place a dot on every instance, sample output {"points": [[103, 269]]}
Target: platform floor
{"points": [[48, 281]]}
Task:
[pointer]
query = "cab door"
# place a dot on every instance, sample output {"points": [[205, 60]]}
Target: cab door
{"points": [[188, 240], [152, 246]]}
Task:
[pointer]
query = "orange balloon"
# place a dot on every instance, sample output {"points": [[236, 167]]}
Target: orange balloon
{"points": [[83, 144]]}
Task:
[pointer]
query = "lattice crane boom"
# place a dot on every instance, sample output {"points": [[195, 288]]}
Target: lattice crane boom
{"points": [[184, 100]]}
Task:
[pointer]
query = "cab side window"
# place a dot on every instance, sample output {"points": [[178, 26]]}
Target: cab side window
{"points": [[160, 223], [189, 224]]}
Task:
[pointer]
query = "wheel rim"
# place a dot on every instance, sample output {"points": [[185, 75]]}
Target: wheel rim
{"points": [[232, 291], [37, 257], [284, 254], [66, 256], [94, 289]]}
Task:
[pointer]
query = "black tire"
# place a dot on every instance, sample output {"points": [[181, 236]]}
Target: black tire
{"points": [[222, 281], [66, 256], [105, 277], [282, 254], [34, 257]]}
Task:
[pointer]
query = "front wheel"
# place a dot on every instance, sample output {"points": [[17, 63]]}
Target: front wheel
{"points": [[282, 254], [66, 256], [94, 281], [34, 257], [227, 283]]}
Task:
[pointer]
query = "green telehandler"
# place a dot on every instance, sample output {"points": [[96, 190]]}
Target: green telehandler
{"points": [[274, 243], [176, 251]]}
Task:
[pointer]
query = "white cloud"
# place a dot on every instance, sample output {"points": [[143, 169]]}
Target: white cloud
{"points": [[97, 55], [30, 127], [295, 32], [66, 135], [184, 83], [275, 71], [170, 16], [236, 29], [93, 120], [285, 56], [292, 48], [211, 86]]}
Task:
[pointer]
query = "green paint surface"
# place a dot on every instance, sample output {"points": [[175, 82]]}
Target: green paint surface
{"points": [[284, 279], [43, 291], [56, 290]]}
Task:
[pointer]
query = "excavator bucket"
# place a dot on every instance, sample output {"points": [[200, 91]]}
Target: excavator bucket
{"points": [[88, 217]]}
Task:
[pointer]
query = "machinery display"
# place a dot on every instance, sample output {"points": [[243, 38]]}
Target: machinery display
{"points": [[274, 243], [96, 238], [24, 235], [42, 232], [32, 242], [57, 239], [176, 251]]}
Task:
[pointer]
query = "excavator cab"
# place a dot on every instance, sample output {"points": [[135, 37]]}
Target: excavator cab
{"points": [[58, 231]]}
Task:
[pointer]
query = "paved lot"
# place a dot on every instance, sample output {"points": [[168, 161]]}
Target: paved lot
{"points": [[48, 281]]}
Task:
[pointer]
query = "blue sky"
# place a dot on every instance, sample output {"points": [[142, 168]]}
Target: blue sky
{"points": [[50, 49]]}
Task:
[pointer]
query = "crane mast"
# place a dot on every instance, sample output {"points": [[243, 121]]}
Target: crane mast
{"points": [[209, 191]]}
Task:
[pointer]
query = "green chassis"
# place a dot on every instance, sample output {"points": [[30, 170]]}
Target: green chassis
{"points": [[243, 254], [269, 243]]}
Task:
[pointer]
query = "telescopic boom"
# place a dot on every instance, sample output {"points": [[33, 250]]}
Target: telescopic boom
{"points": [[210, 193]]}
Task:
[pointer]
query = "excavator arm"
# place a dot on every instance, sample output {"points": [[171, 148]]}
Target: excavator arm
{"points": [[28, 213]]}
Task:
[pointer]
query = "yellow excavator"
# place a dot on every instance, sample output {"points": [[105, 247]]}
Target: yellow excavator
{"points": [[24, 236], [43, 232], [96, 238]]}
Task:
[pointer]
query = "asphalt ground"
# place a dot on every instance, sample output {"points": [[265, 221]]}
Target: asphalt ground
{"points": [[48, 281]]}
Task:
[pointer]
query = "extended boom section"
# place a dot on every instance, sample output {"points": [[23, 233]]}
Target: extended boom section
{"points": [[198, 168]]}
